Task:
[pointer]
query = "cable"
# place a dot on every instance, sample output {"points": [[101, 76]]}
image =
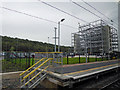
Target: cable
{"points": [[71, 14], [86, 9], [90, 11], [64, 12], [98, 11], [36, 17], [95, 9]]}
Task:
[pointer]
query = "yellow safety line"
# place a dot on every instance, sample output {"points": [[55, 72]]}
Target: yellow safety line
{"points": [[36, 75], [36, 68], [89, 69], [48, 52], [32, 66]]}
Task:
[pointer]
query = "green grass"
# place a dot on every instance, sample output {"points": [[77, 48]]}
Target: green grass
{"points": [[20, 60], [75, 60], [15, 64], [18, 64]]}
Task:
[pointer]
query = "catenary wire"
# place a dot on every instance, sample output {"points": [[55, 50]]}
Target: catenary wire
{"points": [[99, 11], [35, 16]]}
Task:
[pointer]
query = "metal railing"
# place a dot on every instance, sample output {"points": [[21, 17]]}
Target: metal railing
{"points": [[48, 61], [32, 66]]}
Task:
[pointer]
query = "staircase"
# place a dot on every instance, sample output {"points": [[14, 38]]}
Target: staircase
{"points": [[31, 77]]}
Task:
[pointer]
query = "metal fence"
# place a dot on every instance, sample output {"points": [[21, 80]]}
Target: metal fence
{"points": [[16, 61], [54, 64], [74, 59]]}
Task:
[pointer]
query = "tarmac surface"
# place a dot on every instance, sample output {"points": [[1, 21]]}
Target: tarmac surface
{"points": [[77, 71], [80, 67]]}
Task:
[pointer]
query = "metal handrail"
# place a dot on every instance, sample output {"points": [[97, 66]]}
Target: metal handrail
{"points": [[32, 66], [36, 75], [48, 52], [57, 62], [36, 68]]}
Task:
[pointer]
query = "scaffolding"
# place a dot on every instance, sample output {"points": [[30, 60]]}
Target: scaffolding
{"points": [[95, 38]]}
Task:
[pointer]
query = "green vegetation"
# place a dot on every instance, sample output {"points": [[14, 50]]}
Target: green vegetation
{"points": [[25, 45], [20, 64], [16, 64], [75, 60]]}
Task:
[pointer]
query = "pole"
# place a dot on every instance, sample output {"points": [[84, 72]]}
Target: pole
{"points": [[55, 39], [58, 36], [48, 45], [79, 57], [86, 47], [48, 40], [67, 59]]}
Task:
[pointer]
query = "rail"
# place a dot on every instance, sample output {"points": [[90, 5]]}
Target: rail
{"points": [[36, 69], [32, 66], [36, 75], [48, 52], [57, 62]]}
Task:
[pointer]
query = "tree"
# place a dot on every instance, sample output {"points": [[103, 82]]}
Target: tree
{"points": [[12, 48]]}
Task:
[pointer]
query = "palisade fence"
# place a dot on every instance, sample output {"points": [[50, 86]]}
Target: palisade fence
{"points": [[17, 61], [78, 58], [20, 61]]}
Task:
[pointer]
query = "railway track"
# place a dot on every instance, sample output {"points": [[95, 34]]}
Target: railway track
{"points": [[113, 85]]}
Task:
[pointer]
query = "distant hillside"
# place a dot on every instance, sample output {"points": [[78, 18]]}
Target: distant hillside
{"points": [[25, 45]]}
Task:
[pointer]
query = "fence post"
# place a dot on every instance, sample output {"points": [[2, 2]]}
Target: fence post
{"points": [[28, 60], [79, 58], [96, 58], [67, 59], [20, 59], [102, 57], [11, 58], [107, 56], [32, 59], [88, 57], [15, 56]]}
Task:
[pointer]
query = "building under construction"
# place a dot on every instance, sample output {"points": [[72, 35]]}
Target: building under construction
{"points": [[95, 38]]}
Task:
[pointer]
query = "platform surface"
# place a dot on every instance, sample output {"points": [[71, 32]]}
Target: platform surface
{"points": [[76, 71]]}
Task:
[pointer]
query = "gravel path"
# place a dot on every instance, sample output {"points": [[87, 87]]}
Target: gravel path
{"points": [[11, 81]]}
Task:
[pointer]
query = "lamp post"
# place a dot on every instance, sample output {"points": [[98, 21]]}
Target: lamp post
{"points": [[59, 34], [48, 40], [55, 38], [48, 44]]}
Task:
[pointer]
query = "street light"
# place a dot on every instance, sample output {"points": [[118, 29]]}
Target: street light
{"points": [[55, 38], [59, 34], [48, 40], [48, 44]]}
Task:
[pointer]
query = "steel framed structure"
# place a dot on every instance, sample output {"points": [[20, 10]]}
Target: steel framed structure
{"points": [[95, 38]]}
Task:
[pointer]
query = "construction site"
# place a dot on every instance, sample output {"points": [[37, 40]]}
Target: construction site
{"points": [[91, 61], [95, 38]]}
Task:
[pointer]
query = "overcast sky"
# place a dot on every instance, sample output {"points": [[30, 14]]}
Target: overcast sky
{"points": [[26, 27]]}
